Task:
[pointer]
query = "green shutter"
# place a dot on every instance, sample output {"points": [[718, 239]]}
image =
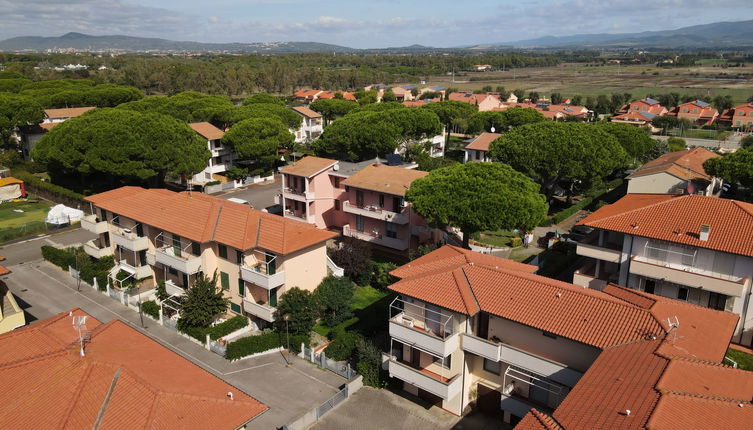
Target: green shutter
{"points": [[225, 280], [235, 307], [223, 251], [241, 287]]}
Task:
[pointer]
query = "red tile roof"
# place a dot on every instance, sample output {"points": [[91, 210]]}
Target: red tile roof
{"points": [[678, 219], [482, 141], [535, 420], [308, 166], [207, 130], [687, 164], [67, 112], [47, 384], [385, 179], [47, 126], [204, 218], [303, 110]]}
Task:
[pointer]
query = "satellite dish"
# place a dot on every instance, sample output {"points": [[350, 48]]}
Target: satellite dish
{"points": [[493, 129]]}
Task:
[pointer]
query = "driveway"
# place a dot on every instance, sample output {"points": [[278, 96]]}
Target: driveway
{"points": [[261, 196], [288, 385], [370, 408]]}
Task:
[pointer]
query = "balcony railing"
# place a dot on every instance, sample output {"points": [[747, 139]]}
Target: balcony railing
{"points": [[173, 289], [291, 214], [128, 239], [259, 275], [139, 272], [261, 310], [377, 213], [183, 262], [297, 194], [379, 239], [92, 224], [446, 388], [727, 284], [415, 325], [92, 249]]}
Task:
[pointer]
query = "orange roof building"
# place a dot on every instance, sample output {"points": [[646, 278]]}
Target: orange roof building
{"points": [[311, 124], [676, 172], [467, 326], [59, 115], [123, 380], [686, 247], [484, 101], [478, 148], [166, 236], [11, 315], [697, 111], [222, 156]]}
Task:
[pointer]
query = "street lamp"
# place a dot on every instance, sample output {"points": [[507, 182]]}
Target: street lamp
{"points": [[287, 333]]}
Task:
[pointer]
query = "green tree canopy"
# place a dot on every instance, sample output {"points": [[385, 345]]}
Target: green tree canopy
{"points": [[333, 108], [517, 116], [121, 146], [747, 141], [188, 106], [365, 97], [556, 98], [17, 111], [414, 124], [256, 138], [736, 167], [301, 309], [637, 142], [503, 120], [358, 137], [478, 196], [203, 303], [334, 296], [266, 110], [451, 111], [676, 144], [550, 152], [263, 98], [378, 107]]}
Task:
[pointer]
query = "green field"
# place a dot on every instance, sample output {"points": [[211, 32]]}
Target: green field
{"points": [[32, 213], [744, 360]]}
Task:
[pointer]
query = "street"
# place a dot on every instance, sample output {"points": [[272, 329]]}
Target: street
{"points": [[261, 196]]}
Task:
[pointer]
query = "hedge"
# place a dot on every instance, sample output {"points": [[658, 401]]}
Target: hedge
{"points": [[263, 342], [344, 345], [88, 269], [42, 186], [151, 308], [59, 257], [215, 332]]}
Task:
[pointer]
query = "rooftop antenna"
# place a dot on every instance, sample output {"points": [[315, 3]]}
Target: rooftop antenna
{"points": [[79, 324], [674, 324]]}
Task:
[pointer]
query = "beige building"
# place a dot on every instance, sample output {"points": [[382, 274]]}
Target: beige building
{"points": [[11, 315], [159, 235], [675, 173]]}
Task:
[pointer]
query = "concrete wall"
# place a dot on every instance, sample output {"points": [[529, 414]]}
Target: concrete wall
{"points": [[305, 269], [658, 183]]}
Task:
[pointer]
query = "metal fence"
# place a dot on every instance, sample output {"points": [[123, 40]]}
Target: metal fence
{"points": [[115, 294], [215, 347], [342, 368], [333, 401], [169, 323]]}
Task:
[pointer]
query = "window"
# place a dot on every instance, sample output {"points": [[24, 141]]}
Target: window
{"points": [[234, 307], [717, 301], [392, 230], [657, 250], [649, 286], [446, 363], [241, 287], [273, 297], [239, 257], [359, 223], [223, 251], [381, 200], [336, 180], [225, 280], [172, 271], [682, 293], [337, 205], [359, 198], [549, 335], [494, 367], [195, 248]]}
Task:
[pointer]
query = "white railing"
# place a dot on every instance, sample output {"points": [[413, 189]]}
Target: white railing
{"points": [[376, 212], [444, 389], [263, 311], [334, 268], [379, 239], [186, 263], [688, 268], [173, 289], [128, 239], [92, 224], [93, 250], [259, 275], [139, 272]]}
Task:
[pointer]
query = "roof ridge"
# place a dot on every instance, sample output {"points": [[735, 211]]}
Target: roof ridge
{"points": [[672, 198], [705, 397], [31, 358], [469, 288]]}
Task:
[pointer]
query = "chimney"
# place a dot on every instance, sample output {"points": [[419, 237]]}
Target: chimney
{"points": [[704, 233]]}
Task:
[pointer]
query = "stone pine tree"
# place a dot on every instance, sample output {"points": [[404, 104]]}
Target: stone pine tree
{"points": [[478, 196], [203, 303]]}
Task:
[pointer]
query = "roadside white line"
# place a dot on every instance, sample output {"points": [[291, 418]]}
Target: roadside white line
{"points": [[249, 368]]}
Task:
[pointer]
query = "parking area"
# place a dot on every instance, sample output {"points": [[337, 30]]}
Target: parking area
{"points": [[288, 385], [261, 196]]}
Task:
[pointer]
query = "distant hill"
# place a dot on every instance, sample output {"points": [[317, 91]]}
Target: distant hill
{"points": [[715, 35], [85, 42]]}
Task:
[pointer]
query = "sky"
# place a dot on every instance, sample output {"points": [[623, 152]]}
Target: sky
{"points": [[359, 23]]}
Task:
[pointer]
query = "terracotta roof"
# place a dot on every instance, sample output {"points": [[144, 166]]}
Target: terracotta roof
{"points": [[303, 110], [67, 112], [385, 179], [306, 93], [47, 384], [308, 166], [687, 164], [482, 141], [679, 412], [677, 218], [3, 270], [499, 287], [207, 130], [47, 126], [469, 97], [535, 420], [634, 116], [10, 180], [204, 218], [331, 95]]}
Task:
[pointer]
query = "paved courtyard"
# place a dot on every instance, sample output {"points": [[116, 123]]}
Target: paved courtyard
{"points": [[261, 196], [288, 385]]}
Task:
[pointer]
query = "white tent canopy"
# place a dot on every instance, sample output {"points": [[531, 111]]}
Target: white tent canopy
{"points": [[62, 214]]}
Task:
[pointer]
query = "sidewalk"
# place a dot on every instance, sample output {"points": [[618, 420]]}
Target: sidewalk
{"points": [[288, 389]]}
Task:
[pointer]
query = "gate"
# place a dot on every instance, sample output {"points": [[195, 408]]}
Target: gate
{"points": [[331, 402]]}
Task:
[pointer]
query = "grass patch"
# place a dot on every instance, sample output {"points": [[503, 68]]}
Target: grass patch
{"points": [[743, 359], [32, 212], [499, 238], [696, 133], [363, 299]]}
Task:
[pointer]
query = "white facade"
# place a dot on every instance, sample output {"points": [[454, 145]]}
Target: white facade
{"points": [[311, 128], [221, 160]]}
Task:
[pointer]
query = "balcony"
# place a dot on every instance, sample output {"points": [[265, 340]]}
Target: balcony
{"points": [[412, 331], [128, 239], [95, 251], [299, 217], [498, 351], [687, 275], [138, 272], [585, 276], [259, 275], [377, 213], [446, 388], [607, 252], [389, 242], [182, 262], [296, 194], [92, 224], [260, 310], [173, 289]]}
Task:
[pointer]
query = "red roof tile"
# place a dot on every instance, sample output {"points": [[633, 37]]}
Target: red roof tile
{"points": [[681, 412], [308, 166], [67, 112], [385, 179], [678, 219], [482, 141], [303, 110], [687, 164], [207, 130], [535, 420]]}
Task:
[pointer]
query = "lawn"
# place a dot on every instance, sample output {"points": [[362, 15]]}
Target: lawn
{"points": [[694, 133], [368, 306], [743, 359], [499, 238], [32, 212]]}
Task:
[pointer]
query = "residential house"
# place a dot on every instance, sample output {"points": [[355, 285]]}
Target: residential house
{"points": [[310, 193], [435, 89], [636, 118], [311, 124], [687, 247], [30, 135], [482, 67], [404, 93], [11, 315], [470, 328], [647, 105], [222, 156], [60, 115], [698, 112], [677, 172], [742, 116], [306, 96], [329, 94], [72, 371], [478, 148], [163, 236], [377, 210], [485, 102]]}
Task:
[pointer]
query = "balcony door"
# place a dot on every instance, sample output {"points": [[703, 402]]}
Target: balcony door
{"points": [[271, 264], [397, 203], [359, 223], [483, 325], [359, 198], [176, 245], [433, 318]]}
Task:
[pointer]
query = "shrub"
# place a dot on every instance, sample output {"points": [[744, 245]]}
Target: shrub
{"points": [[88, 268], [151, 308], [354, 257], [59, 257], [301, 308], [226, 327], [333, 296], [344, 345], [516, 241], [210, 183], [263, 342], [369, 364], [382, 278]]}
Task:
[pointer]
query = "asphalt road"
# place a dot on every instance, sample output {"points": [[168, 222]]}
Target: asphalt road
{"points": [[30, 249], [261, 196]]}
